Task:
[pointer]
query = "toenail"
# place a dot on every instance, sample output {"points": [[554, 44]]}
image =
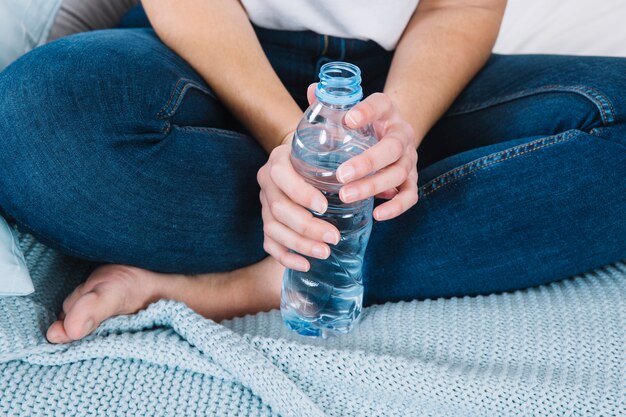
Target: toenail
{"points": [[88, 326]]}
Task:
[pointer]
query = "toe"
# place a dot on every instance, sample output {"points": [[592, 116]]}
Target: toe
{"points": [[90, 309], [110, 290], [56, 333]]}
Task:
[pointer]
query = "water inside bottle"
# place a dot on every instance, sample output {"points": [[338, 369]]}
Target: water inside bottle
{"points": [[327, 299]]}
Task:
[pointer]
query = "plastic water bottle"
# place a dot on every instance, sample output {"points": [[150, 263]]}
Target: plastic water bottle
{"points": [[328, 299]]}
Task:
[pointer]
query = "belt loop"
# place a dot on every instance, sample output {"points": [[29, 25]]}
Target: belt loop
{"points": [[325, 45], [323, 56]]}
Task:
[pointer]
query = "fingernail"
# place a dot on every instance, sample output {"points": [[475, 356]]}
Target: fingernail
{"points": [[354, 117], [302, 266], [332, 238], [88, 326], [319, 206], [320, 252], [348, 194], [53, 338], [345, 173]]}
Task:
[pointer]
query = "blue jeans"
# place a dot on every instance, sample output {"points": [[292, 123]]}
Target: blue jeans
{"points": [[114, 150]]}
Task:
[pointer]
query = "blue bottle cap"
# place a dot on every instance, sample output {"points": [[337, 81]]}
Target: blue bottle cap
{"points": [[340, 84]]}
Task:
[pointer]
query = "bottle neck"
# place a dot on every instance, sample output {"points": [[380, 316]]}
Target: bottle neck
{"points": [[339, 86], [333, 106]]}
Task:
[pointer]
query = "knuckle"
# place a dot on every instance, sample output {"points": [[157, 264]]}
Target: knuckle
{"points": [[268, 228], [383, 99], [404, 175], [265, 216], [261, 176], [369, 105], [409, 164], [276, 153], [275, 171], [396, 146], [300, 246], [368, 162], [282, 257], [387, 100], [309, 228], [276, 207]]}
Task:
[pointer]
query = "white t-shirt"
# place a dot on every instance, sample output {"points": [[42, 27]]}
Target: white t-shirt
{"points": [[381, 21]]}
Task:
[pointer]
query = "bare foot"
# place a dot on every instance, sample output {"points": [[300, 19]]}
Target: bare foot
{"points": [[112, 290]]}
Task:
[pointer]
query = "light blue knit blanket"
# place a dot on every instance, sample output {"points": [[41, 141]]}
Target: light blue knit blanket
{"points": [[554, 350]]}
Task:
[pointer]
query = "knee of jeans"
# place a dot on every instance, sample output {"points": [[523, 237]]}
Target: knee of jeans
{"points": [[102, 80]]}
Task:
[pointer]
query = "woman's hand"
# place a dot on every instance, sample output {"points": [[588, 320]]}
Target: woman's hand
{"points": [[285, 194], [286, 222], [393, 158]]}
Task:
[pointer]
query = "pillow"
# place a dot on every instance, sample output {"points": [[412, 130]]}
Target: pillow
{"points": [[14, 275], [23, 26]]}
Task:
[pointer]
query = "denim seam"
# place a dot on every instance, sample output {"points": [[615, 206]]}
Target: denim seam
{"points": [[597, 132], [178, 93], [492, 159], [601, 101]]}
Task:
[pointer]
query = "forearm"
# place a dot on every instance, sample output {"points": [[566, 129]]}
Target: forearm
{"points": [[216, 38], [443, 47]]}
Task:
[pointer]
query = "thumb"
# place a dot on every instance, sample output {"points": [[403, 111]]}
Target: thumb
{"points": [[310, 93]]}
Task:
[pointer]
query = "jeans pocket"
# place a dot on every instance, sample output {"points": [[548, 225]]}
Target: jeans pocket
{"points": [[595, 97], [193, 105]]}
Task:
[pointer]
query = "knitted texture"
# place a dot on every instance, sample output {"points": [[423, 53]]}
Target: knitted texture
{"points": [[552, 350]]}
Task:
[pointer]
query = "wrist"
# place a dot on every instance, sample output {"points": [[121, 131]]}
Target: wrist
{"points": [[414, 118], [282, 133]]}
